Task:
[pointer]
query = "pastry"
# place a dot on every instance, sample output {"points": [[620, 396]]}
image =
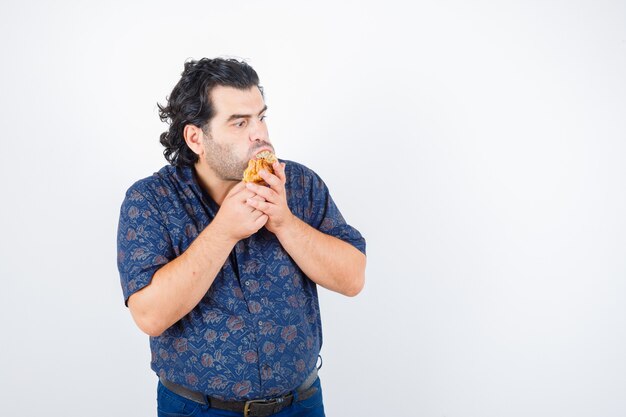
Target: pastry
{"points": [[262, 160]]}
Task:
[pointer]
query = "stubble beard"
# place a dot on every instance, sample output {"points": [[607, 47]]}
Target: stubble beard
{"points": [[221, 159]]}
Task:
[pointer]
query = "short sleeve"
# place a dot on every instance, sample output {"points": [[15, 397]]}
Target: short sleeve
{"points": [[326, 217], [143, 241]]}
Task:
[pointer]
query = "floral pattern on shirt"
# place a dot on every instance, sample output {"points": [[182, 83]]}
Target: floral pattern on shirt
{"points": [[257, 331]]}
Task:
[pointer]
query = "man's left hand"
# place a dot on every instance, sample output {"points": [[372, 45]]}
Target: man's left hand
{"points": [[275, 204]]}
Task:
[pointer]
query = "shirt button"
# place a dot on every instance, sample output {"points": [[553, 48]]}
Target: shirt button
{"points": [[260, 323], [247, 283]]}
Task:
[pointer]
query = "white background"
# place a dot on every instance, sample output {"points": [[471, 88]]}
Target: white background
{"points": [[478, 146]]}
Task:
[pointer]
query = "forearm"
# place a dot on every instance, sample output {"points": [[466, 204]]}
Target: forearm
{"points": [[326, 260], [178, 287]]}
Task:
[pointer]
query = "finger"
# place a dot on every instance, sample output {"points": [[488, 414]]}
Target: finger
{"points": [[245, 194], [237, 188], [271, 179], [261, 221], [253, 198], [279, 170], [259, 205], [257, 213], [267, 193], [239, 191]]}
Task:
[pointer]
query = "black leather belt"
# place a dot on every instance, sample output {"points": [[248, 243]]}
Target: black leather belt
{"points": [[251, 408]]}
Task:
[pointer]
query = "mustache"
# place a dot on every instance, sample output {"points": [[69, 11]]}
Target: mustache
{"points": [[262, 145]]}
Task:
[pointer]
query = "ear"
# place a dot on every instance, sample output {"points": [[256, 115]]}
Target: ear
{"points": [[194, 137]]}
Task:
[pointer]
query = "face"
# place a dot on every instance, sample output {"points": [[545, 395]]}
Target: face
{"points": [[237, 131]]}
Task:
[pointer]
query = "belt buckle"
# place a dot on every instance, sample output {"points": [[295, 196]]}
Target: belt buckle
{"points": [[248, 404]]}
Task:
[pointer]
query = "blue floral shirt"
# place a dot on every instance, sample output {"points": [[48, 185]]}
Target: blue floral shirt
{"points": [[257, 332]]}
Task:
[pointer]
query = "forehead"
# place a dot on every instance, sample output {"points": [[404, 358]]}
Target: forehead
{"points": [[228, 101]]}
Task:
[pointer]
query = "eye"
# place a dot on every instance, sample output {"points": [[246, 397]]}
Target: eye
{"points": [[262, 118], [241, 123]]}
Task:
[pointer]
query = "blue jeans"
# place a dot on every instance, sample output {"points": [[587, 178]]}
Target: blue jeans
{"points": [[170, 404]]}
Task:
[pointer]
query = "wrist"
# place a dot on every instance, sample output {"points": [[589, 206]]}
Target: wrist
{"points": [[287, 227], [221, 232]]}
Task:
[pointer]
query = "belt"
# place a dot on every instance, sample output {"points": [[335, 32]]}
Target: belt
{"points": [[251, 408]]}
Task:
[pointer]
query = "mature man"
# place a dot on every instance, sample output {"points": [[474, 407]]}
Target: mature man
{"points": [[222, 274]]}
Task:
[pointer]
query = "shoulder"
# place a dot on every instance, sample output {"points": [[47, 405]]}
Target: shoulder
{"points": [[299, 175], [307, 193], [159, 184]]}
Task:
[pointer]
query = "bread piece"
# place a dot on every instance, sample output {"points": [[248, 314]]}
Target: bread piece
{"points": [[263, 160]]}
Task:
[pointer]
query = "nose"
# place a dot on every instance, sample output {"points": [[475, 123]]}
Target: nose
{"points": [[258, 131]]}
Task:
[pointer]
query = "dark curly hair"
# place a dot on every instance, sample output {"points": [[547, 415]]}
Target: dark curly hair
{"points": [[190, 101]]}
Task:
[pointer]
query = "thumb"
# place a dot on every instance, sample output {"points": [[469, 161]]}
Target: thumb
{"points": [[237, 188], [279, 170]]}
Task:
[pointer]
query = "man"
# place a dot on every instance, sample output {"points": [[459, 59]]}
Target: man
{"points": [[222, 274]]}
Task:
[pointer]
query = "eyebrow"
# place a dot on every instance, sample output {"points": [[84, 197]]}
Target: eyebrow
{"points": [[244, 116]]}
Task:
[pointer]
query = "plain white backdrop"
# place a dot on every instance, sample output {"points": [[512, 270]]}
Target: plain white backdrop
{"points": [[478, 146]]}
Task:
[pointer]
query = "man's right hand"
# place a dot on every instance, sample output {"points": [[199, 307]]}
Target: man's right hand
{"points": [[179, 285], [236, 219]]}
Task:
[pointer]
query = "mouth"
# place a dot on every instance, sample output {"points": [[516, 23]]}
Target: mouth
{"points": [[263, 153]]}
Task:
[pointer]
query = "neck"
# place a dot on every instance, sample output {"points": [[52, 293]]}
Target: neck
{"points": [[215, 186]]}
